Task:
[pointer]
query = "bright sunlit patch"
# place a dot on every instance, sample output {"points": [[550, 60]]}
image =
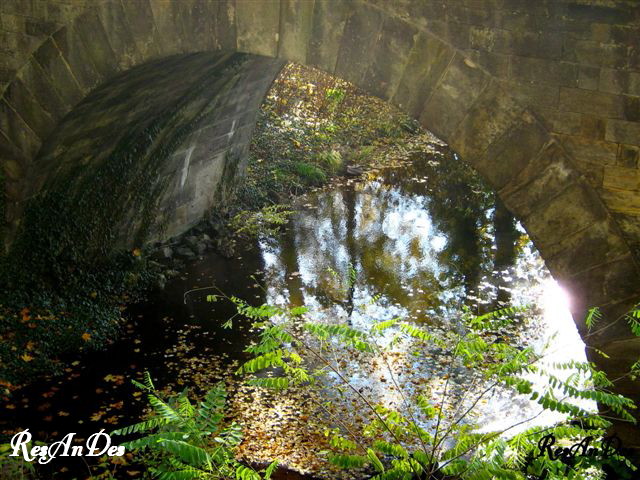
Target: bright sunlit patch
{"points": [[555, 300], [438, 242], [564, 344], [568, 344]]}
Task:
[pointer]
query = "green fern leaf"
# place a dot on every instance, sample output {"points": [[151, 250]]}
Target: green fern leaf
{"points": [[191, 454], [375, 461], [348, 461], [270, 470], [142, 427], [275, 383], [246, 473]]}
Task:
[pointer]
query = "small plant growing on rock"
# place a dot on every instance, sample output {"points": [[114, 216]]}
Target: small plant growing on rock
{"points": [[261, 223]]}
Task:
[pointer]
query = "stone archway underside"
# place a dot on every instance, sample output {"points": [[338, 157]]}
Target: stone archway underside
{"points": [[542, 98]]}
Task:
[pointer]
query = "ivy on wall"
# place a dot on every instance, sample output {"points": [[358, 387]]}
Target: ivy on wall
{"points": [[63, 280]]}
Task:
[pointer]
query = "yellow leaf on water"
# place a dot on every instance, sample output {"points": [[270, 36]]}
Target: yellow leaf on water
{"points": [[26, 357], [96, 416], [117, 379]]}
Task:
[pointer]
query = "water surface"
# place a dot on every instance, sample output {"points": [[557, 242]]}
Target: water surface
{"points": [[421, 241]]}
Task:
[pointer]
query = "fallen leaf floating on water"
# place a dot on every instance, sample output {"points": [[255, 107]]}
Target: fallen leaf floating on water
{"points": [[117, 379], [96, 416]]}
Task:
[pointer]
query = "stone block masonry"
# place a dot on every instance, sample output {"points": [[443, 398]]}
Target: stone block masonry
{"points": [[542, 97]]}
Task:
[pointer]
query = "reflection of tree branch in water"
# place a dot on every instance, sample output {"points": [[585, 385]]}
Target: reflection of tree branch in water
{"points": [[457, 208], [349, 200], [506, 238], [289, 254], [350, 226], [337, 294]]}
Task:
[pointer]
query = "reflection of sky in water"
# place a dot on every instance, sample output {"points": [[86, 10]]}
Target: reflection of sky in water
{"points": [[398, 239], [556, 325]]}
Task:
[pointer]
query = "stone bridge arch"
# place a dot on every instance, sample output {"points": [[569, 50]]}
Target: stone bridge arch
{"points": [[542, 98]]}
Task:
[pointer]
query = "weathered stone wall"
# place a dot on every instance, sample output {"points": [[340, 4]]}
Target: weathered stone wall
{"points": [[576, 64], [189, 119], [212, 160], [540, 96], [24, 25]]}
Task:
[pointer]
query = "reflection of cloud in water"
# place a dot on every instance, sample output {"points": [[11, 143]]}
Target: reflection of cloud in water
{"points": [[438, 242], [389, 234]]}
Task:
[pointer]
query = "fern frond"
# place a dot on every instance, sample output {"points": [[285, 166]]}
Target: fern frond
{"points": [[496, 314], [634, 323], [325, 331], [271, 359], [163, 409], [191, 454], [230, 436], [183, 406], [375, 461], [338, 441], [246, 473], [270, 470], [593, 316], [420, 334], [393, 474], [275, 383], [390, 449], [381, 326], [153, 440], [348, 461], [351, 336], [142, 427], [425, 406], [147, 383]]}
